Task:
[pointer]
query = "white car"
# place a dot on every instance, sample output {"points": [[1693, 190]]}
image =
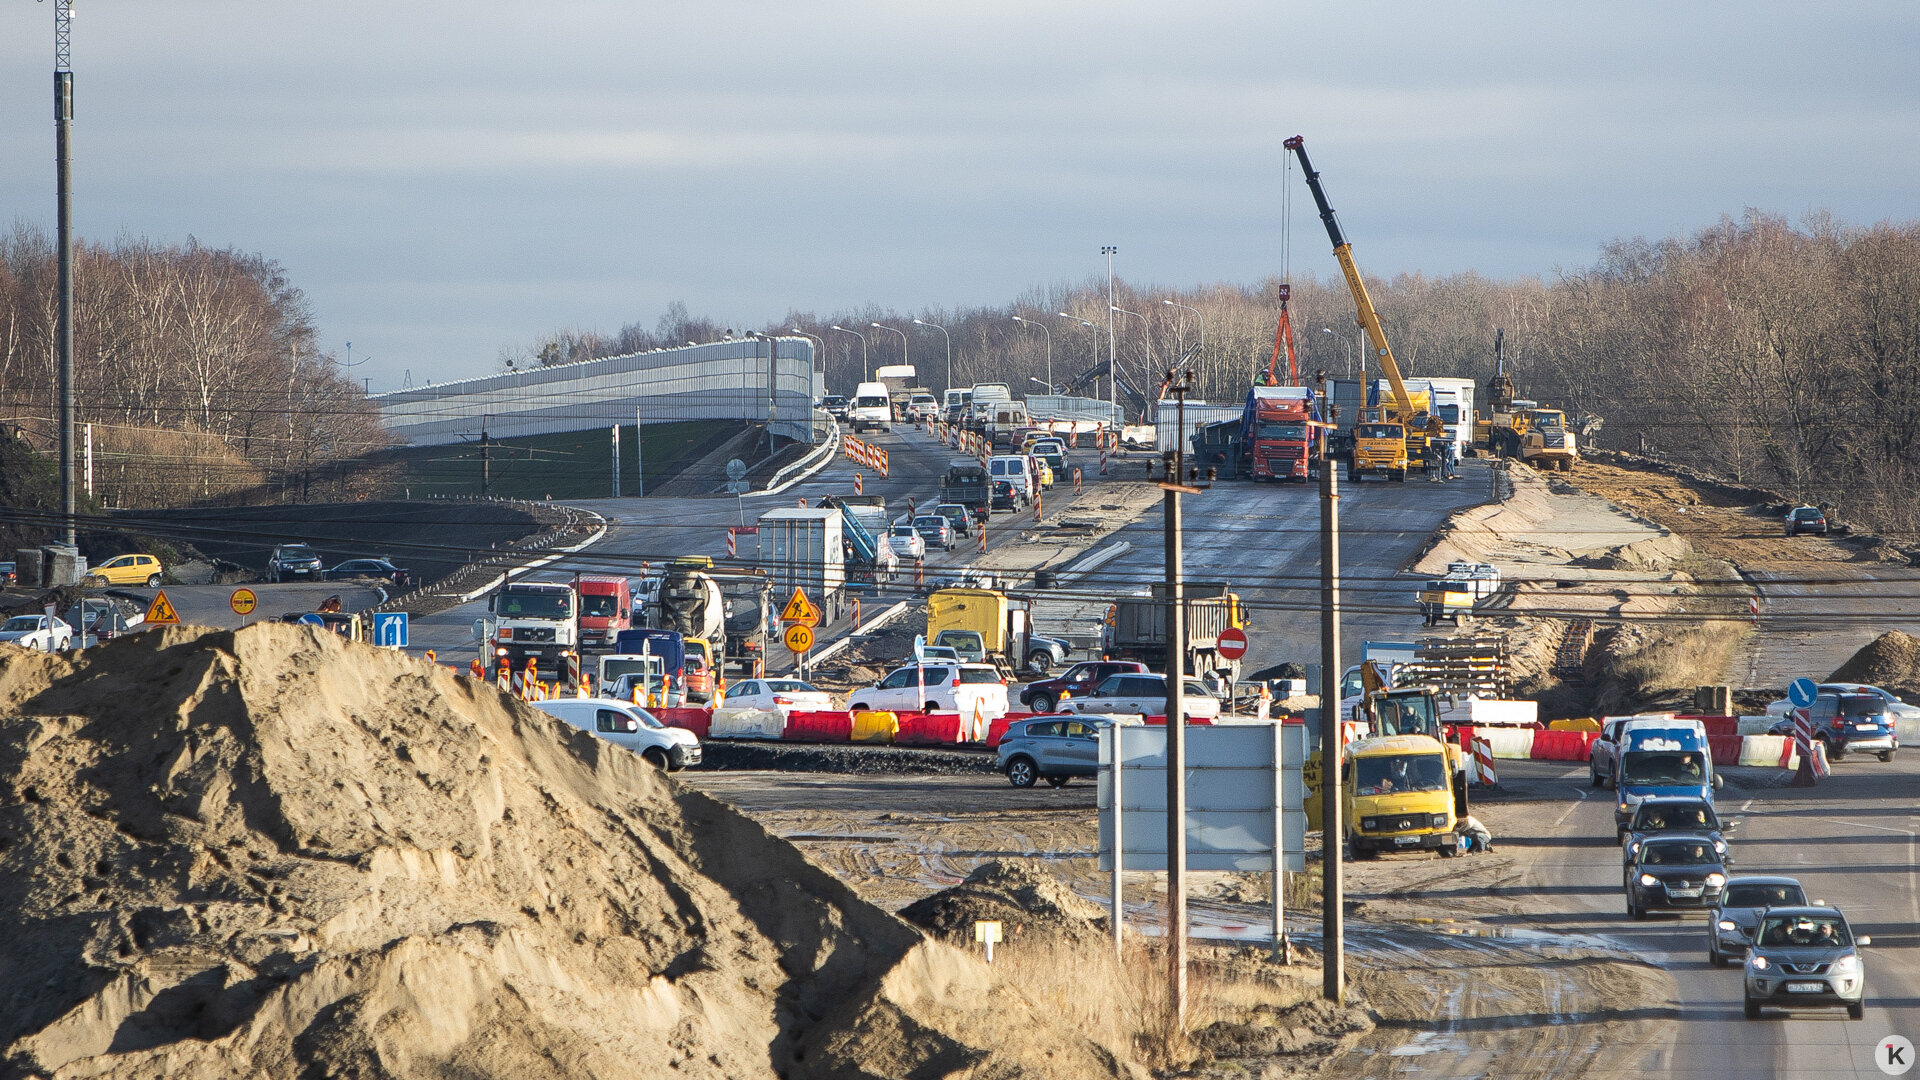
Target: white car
{"points": [[628, 725], [38, 632], [1899, 710], [1144, 694], [941, 687], [906, 543], [778, 695]]}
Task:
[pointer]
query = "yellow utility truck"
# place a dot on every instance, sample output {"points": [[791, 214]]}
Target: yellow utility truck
{"points": [[984, 626]]}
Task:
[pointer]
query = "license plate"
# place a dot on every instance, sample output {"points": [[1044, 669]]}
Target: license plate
{"points": [[1684, 892], [1806, 988], [1406, 839], [1866, 727]]}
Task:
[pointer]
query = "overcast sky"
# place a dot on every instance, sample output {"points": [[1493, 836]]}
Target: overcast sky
{"points": [[445, 179]]}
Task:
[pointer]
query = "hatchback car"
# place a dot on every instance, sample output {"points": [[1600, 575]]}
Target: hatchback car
{"points": [[1731, 926], [1146, 695], [778, 695], [1674, 873], [1849, 722], [1051, 748], [906, 543], [127, 570], [1806, 519], [1806, 957], [1004, 497], [934, 530], [1900, 709], [957, 516]]}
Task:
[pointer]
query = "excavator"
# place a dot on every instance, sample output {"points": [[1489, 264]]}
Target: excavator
{"points": [[1393, 438], [1520, 428]]}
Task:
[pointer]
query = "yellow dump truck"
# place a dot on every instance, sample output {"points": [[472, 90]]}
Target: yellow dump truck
{"points": [[1379, 448]]}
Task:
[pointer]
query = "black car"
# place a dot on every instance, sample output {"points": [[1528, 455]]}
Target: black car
{"points": [[371, 568], [1674, 873], [290, 561], [1806, 519], [1673, 817], [1004, 497], [835, 406]]}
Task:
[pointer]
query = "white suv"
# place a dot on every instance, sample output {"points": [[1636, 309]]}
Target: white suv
{"points": [[1146, 695], [941, 687], [628, 725]]}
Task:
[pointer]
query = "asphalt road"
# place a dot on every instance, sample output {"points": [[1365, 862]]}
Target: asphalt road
{"points": [[211, 605], [1851, 841], [1817, 616]]}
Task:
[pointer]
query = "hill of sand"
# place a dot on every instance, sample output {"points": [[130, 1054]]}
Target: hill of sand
{"points": [[270, 852], [1891, 660]]}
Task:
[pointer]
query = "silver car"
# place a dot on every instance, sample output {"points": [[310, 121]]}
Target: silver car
{"points": [[1057, 748], [1730, 927], [1806, 957]]}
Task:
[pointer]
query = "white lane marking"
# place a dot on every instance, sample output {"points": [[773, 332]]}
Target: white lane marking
{"points": [[1746, 806], [1570, 809]]}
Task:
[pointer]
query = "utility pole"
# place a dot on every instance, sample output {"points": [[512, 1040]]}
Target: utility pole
{"points": [[1113, 356], [616, 461], [63, 185], [1332, 830], [1179, 383], [639, 456], [486, 459]]}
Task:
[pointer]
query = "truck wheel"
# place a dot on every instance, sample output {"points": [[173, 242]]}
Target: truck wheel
{"points": [[657, 758], [1448, 851], [1885, 755], [1040, 660], [1753, 1009], [1044, 703]]}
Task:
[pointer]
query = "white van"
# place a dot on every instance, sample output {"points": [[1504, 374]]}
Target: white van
{"points": [[1015, 469], [872, 408], [628, 725], [956, 404]]}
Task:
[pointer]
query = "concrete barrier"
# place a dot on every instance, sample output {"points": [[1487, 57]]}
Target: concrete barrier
{"points": [[1756, 725], [697, 721], [1727, 749], [874, 727], [746, 724], [1767, 750], [1508, 742], [1909, 732], [825, 726]]}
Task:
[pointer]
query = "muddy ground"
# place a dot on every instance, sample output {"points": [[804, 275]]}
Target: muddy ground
{"points": [[1440, 960]]}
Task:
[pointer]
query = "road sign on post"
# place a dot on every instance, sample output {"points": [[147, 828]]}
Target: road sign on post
{"points": [[390, 629], [1233, 643], [1802, 692], [799, 638], [160, 612], [243, 601], [799, 609]]}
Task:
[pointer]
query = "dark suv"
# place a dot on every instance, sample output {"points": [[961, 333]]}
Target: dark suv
{"points": [[1674, 873], [1849, 722], [1079, 680], [1674, 817]]}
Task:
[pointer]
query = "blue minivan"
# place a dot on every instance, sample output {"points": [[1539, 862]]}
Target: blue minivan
{"points": [[1662, 757]]}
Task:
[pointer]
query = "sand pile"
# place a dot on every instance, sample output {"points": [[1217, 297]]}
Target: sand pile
{"points": [[1891, 660], [1025, 899], [274, 853]]}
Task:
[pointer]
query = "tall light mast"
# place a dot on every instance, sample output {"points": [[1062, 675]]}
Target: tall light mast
{"points": [[63, 167]]}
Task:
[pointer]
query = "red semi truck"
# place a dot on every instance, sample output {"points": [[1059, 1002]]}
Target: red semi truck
{"points": [[1276, 442]]}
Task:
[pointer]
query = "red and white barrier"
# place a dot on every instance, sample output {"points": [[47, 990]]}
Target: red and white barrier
{"points": [[1483, 771]]}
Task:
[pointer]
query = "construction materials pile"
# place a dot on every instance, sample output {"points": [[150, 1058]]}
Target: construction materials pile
{"points": [[271, 852]]}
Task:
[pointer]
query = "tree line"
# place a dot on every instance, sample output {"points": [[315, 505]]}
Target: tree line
{"points": [[197, 368], [1779, 354]]}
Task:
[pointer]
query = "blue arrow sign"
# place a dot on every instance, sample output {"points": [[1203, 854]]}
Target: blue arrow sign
{"points": [[1802, 692], [390, 629]]}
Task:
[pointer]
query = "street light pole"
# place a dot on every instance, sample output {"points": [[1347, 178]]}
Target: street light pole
{"points": [[949, 337], [866, 365], [1332, 919], [1342, 338], [904, 358], [1196, 315], [63, 196], [1049, 333], [1113, 355]]}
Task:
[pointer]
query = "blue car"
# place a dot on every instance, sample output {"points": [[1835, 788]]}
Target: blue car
{"points": [[1846, 723]]}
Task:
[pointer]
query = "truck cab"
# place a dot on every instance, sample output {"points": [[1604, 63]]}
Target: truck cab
{"points": [[1398, 795], [1379, 448], [1276, 442], [606, 608], [531, 620], [872, 408]]}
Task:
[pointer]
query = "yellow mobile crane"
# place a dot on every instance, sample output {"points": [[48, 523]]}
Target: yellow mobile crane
{"points": [[1397, 438]]}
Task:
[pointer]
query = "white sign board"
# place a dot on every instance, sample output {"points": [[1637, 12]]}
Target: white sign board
{"points": [[1243, 790]]}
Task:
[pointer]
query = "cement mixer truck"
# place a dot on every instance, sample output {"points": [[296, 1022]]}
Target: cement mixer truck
{"points": [[690, 601]]}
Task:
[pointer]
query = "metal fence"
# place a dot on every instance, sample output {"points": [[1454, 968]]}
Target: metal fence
{"points": [[760, 380]]}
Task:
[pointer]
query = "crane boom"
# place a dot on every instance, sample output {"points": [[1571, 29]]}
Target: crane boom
{"points": [[1343, 251]]}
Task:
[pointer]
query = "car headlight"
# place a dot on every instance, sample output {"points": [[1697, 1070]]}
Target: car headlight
{"points": [[1846, 965], [1369, 824], [1757, 962], [1720, 846], [1716, 880], [1439, 821], [1624, 806], [1728, 924], [1631, 848], [1649, 879]]}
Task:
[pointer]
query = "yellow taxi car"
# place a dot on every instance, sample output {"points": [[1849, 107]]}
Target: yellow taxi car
{"points": [[127, 570]]}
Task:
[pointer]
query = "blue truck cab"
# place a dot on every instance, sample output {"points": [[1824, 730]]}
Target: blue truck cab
{"points": [[1661, 757], [669, 645]]}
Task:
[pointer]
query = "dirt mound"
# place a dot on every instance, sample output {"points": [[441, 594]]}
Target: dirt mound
{"points": [[1891, 660], [273, 853], [1025, 899]]}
